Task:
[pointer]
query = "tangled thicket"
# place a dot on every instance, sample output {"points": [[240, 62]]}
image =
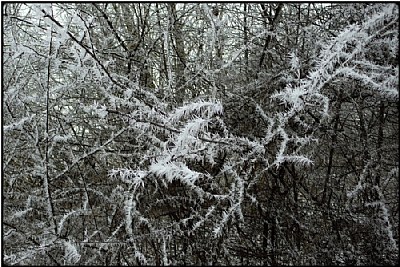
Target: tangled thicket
{"points": [[213, 134]]}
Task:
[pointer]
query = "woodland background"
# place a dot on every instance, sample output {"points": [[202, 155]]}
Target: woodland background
{"points": [[200, 133]]}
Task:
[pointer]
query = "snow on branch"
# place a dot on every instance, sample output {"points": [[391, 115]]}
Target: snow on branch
{"points": [[387, 88], [134, 177], [71, 254], [175, 171], [204, 109], [17, 125], [187, 137], [339, 57], [298, 159], [63, 219]]}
